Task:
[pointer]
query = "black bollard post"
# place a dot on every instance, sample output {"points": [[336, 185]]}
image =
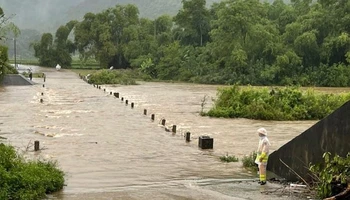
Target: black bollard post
{"points": [[41, 101], [126, 102], [122, 99], [145, 111], [43, 85], [132, 105], [99, 87], [152, 117], [174, 129], [36, 146], [117, 95], [42, 94], [188, 137], [110, 93], [104, 89], [163, 122]]}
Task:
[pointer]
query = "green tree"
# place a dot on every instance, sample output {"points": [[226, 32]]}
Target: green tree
{"points": [[104, 36], [6, 27], [52, 51], [193, 23]]}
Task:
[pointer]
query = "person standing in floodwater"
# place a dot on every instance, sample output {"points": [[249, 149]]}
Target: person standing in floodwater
{"points": [[262, 154]]}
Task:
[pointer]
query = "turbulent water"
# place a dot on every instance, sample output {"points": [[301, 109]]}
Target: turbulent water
{"points": [[106, 146]]}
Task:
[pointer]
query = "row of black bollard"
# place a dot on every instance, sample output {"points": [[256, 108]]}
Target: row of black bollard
{"points": [[205, 142], [37, 143]]}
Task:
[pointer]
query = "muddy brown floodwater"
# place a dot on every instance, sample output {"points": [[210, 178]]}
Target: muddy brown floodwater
{"points": [[110, 151]]}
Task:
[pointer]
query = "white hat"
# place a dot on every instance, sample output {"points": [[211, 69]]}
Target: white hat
{"points": [[262, 131]]}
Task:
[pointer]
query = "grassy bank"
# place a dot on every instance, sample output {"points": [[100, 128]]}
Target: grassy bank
{"points": [[106, 76], [76, 64], [25, 61], [283, 103]]}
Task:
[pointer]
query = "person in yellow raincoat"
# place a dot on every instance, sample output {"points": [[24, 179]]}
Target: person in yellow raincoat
{"points": [[262, 154]]}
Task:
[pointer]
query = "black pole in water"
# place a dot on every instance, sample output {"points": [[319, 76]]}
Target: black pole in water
{"points": [[174, 129], [122, 99], [132, 105], [163, 122], [126, 102], [152, 117], [104, 90], [145, 111], [117, 95], [36, 146], [41, 101], [188, 137], [110, 93], [43, 85], [42, 94]]}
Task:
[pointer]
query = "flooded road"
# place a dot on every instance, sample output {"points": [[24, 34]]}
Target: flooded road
{"points": [[108, 149]]}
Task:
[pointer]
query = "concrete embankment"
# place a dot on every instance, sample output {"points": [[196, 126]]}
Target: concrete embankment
{"points": [[16, 79]]}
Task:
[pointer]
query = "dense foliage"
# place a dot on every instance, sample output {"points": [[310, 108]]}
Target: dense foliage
{"points": [[235, 41], [123, 77], [287, 103], [332, 176], [27, 180]]}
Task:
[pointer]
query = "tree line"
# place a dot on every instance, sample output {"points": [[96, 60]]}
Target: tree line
{"points": [[303, 43], [6, 26]]}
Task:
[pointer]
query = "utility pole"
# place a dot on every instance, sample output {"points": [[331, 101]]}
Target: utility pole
{"points": [[15, 52]]}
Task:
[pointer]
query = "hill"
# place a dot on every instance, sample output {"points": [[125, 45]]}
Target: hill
{"points": [[47, 16]]}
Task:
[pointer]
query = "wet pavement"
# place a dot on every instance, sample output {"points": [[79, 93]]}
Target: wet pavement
{"points": [[112, 151]]}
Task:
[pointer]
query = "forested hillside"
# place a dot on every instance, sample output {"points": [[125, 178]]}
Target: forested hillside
{"points": [[40, 16], [47, 15], [235, 41]]}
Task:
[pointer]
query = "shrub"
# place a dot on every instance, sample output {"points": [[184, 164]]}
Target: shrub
{"points": [[228, 158], [124, 77], [332, 176], [289, 103], [249, 161], [21, 179]]}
